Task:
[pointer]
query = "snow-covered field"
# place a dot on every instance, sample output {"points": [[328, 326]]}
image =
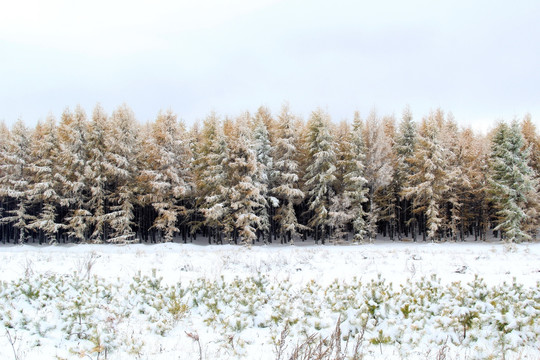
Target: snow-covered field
{"points": [[177, 301]]}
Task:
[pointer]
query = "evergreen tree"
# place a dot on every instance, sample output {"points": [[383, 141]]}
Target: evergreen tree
{"points": [[286, 177], [458, 179], [387, 197], [339, 216], [211, 176], [378, 167], [95, 174], [263, 177], [105, 179], [532, 145], [146, 213], [354, 182], [532, 142], [320, 174], [44, 184], [428, 184], [123, 147], [404, 148], [72, 134], [340, 204], [14, 180], [245, 194], [472, 158], [167, 173], [511, 181], [4, 200]]}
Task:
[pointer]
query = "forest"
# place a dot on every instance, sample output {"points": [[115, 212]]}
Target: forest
{"points": [[263, 177]]}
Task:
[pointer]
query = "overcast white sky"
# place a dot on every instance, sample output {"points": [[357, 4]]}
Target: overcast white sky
{"points": [[478, 59]]}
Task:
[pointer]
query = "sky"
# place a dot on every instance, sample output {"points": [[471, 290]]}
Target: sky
{"points": [[478, 59]]}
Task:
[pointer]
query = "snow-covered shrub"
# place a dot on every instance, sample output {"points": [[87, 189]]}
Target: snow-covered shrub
{"points": [[92, 317]]}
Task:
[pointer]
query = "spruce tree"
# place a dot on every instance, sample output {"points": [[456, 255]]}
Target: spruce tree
{"points": [[354, 181], [72, 135], [404, 148], [211, 177], [511, 181], [285, 176], [387, 197], [167, 173], [263, 177], [245, 194], [532, 144], [340, 204], [4, 200], [378, 167], [320, 173], [95, 174], [15, 181], [458, 178], [472, 157], [45, 186], [123, 149], [428, 184]]}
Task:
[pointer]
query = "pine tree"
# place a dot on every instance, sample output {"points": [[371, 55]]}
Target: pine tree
{"points": [[404, 148], [72, 134], [320, 174], [428, 184], [511, 181], [481, 190], [354, 182], [146, 213], [532, 142], [340, 214], [378, 167], [167, 173], [15, 169], [387, 197], [4, 200], [243, 178], [123, 147], [532, 145], [472, 158], [44, 184], [458, 179], [211, 177], [95, 174], [245, 194], [286, 177], [263, 177]]}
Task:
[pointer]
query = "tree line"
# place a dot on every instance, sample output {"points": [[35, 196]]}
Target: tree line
{"points": [[266, 177]]}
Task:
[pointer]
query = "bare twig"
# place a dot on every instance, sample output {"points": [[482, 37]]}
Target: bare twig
{"points": [[280, 346], [12, 341], [195, 337], [85, 265]]}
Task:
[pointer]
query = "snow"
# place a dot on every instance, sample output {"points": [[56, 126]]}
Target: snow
{"points": [[248, 289]]}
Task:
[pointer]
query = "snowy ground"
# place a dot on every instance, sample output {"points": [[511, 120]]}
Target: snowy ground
{"points": [[214, 285]]}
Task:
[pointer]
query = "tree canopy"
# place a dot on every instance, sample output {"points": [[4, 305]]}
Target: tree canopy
{"points": [[265, 177]]}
